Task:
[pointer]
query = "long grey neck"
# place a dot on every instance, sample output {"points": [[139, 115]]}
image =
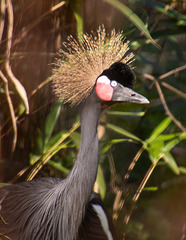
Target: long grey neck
{"points": [[79, 183], [85, 168]]}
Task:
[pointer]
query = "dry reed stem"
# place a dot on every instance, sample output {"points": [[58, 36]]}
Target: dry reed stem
{"points": [[19, 174], [2, 19], [11, 108], [119, 202], [138, 192], [18, 86]]}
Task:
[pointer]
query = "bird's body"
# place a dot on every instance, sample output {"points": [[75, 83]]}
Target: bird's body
{"points": [[65, 209], [58, 197]]}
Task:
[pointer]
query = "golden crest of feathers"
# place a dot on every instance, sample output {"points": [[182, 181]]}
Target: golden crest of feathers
{"points": [[78, 67]]}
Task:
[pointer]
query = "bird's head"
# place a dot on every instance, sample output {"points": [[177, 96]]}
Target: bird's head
{"points": [[99, 63], [115, 85]]}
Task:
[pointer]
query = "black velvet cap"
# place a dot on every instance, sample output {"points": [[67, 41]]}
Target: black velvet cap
{"points": [[122, 73]]}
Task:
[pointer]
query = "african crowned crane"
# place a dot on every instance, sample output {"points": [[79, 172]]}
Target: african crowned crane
{"points": [[93, 74]]}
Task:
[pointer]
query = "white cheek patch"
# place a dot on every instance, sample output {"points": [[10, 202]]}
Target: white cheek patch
{"points": [[103, 79]]}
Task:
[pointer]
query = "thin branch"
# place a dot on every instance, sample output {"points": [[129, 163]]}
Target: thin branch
{"points": [[118, 204], [19, 174], [11, 108], [172, 72], [40, 86], [168, 112], [168, 73], [177, 91]]}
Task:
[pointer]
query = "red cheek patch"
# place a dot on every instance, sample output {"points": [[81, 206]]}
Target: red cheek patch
{"points": [[104, 89]]}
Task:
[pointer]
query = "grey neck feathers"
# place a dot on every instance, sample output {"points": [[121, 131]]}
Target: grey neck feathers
{"points": [[79, 183]]}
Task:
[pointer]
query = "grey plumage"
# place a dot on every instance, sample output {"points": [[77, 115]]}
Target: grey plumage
{"points": [[53, 208]]}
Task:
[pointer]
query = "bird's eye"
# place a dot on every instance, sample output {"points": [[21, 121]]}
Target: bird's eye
{"points": [[114, 84]]}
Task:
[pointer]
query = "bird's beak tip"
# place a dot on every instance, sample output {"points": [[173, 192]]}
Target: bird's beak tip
{"points": [[145, 101]]}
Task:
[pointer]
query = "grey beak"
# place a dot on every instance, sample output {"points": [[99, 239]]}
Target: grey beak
{"points": [[124, 94]]}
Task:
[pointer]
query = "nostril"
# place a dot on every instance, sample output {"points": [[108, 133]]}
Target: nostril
{"points": [[133, 95]]}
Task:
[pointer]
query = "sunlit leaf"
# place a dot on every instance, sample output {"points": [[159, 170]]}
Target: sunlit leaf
{"points": [[77, 7], [155, 150], [59, 144], [150, 189], [122, 132], [159, 129], [167, 137], [101, 182], [112, 142], [170, 145], [38, 146], [4, 184], [168, 158], [51, 121], [53, 140], [21, 109], [133, 114], [76, 138]]}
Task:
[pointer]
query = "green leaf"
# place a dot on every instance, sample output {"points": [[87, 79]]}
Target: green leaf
{"points": [[4, 184], [58, 166], [168, 158], [112, 142], [101, 182], [77, 7], [167, 137], [21, 109], [133, 18], [53, 140], [155, 150], [150, 189], [123, 132], [59, 144], [133, 114], [51, 121], [38, 146], [76, 138], [171, 144], [38, 153], [159, 129]]}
